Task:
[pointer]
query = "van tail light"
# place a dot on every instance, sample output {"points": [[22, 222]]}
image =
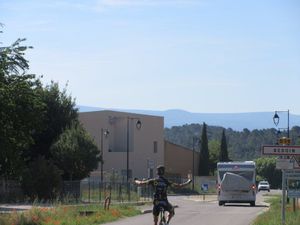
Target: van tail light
{"points": [[219, 187], [253, 187]]}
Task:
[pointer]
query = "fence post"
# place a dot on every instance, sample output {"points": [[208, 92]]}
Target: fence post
{"points": [[89, 191], [128, 188], [119, 192], [100, 183]]}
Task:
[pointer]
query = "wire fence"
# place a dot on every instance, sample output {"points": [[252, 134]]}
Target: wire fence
{"points": [[87, 191], [90, 191], [84, 191], [10, 191]]}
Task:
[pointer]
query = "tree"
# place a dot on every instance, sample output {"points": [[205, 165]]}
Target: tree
{"points": [[42, 179], [223, 157], [60, 114], [75, 153], [214, 152], [21, 108], [244, 145], [204, 154], [12, 59], [266, 169]]}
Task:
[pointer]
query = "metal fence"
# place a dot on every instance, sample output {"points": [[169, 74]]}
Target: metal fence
{"points": [[91, 191], [10, 191], [87, 191]]}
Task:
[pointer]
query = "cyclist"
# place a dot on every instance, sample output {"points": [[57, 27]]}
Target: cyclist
{"points": [[160, 199]]}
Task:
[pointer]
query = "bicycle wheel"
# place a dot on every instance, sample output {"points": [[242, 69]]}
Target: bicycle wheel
{"points": [[162, 217]]}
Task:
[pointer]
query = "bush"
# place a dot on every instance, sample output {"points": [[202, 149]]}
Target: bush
{"points": [[42, 180]]}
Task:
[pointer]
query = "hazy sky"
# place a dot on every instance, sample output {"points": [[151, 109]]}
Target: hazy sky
{"points": [[200, 56]]}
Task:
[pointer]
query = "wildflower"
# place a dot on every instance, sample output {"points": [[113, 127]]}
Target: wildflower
{"points": [[115, 213], [48, 219], [56, 222], [35, 218], [44, 209]]}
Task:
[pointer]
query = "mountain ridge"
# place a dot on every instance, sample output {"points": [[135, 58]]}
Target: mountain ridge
{"points": [[235, 121]]}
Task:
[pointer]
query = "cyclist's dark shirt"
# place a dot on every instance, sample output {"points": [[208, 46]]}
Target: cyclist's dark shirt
{"points": [[160, 186]]}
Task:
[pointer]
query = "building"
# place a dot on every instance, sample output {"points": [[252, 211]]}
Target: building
{"points": [[136, 142], [128, 140], [179, 160]]}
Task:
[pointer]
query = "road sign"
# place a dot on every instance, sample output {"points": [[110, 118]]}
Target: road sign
{"points": [[285, 163], [281, 150], [204, 187], [284, 141], [293, 182], [150, 163], [291, 174], [296, 162]]}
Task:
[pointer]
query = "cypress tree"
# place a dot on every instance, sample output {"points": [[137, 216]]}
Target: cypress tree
{"points": [[223, 157], [204, 154]]}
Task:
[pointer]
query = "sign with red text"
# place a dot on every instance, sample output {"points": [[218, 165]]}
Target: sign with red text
{"points": [[281, 150]]}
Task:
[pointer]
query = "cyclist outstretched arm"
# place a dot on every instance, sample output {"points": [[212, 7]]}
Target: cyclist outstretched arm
{"points": [[141, 182], [176, 185]]}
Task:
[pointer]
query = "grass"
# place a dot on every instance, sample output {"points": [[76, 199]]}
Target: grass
{"points": [[273, 215], [68, 215]]}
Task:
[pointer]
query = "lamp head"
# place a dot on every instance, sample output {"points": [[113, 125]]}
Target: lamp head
{"points": [[276, 119], [106, 133], [138, 124]]}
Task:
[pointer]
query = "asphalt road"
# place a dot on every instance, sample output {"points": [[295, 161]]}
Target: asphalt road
{"points": [[195, 211]]}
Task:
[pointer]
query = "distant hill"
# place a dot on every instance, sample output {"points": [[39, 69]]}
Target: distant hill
{"points": [[235, 121]]}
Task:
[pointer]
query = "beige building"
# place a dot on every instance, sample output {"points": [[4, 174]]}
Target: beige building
{"points": [[179, 160], [119, 133], [136, 142]]}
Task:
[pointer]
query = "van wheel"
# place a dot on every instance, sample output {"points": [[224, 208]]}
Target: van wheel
{"points": [[252, 203], [221, 203]]}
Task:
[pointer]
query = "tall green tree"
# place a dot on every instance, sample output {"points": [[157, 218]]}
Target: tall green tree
{"points": [[59, 115], [21, 108], [75, 153], [214, 152], [204, 165], [223, 157]]}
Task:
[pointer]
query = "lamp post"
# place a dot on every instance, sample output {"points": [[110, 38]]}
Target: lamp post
{"points": [[276, 122], [104, 133], [195, 140], [138, 126]]}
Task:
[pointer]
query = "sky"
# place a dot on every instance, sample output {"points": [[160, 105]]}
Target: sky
{"points": [[204, 56]]}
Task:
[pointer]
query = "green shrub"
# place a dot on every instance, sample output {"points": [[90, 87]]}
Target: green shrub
{"points": [[42, 180]]}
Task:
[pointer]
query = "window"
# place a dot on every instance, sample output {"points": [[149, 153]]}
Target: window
{"points": [[246, 174], [150, 173], [155, 146]]}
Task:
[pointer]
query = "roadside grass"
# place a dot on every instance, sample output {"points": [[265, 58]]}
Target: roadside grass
{"points": [[273, 215], [68, 215]]}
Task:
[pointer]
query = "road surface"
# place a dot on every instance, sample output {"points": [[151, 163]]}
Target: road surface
{"points": [[195, 211]]}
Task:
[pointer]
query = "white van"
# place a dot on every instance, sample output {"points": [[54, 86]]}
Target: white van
{"points": [[236, 182]]}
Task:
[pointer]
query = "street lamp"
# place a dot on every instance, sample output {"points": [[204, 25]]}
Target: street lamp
{"points": [[276, 119], [138, 125], [195, 140], [104, 133]]}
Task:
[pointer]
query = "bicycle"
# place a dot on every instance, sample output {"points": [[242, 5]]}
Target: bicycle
{"points": [[162, 216]]}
